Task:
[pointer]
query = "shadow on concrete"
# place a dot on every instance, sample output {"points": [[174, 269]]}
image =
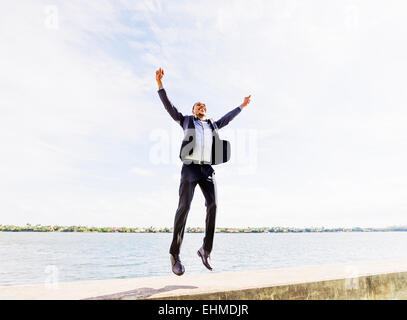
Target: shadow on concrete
{"points": [[140, 293]]}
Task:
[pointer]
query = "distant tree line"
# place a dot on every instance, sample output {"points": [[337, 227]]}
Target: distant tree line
{"points": [[56, 228]]}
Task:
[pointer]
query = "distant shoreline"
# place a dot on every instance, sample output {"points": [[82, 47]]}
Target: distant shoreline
{"points": [[57, 228]]}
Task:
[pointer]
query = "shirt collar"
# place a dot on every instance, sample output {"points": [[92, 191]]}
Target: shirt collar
{"points": [[196, 118]]}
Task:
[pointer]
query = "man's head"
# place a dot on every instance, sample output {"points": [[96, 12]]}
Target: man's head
{"points": [[199, 110]]}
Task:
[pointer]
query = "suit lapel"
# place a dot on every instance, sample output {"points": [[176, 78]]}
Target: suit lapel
{"points": [[214, 126]]}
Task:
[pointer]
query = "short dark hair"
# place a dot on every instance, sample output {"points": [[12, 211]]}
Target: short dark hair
{"points": [[194, 106]]}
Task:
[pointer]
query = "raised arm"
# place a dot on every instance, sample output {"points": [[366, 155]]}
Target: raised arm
{"points": [[231, 114], [171, 109]]}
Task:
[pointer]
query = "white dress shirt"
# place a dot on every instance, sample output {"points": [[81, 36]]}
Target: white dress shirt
{"points": [[202, 151]]}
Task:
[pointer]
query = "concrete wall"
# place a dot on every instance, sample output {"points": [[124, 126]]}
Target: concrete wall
{"points": [[391, 286]]}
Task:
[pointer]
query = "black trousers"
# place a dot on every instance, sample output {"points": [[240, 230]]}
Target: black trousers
{"points": [[191, 175]]}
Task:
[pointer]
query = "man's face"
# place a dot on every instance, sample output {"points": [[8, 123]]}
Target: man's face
{"points": [[199, 109]]}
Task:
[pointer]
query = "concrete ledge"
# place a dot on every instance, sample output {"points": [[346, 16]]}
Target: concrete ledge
{"points": [[361, 280]]}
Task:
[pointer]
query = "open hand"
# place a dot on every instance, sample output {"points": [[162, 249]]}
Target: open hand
{"points": [[246, 101], [158, 76]]}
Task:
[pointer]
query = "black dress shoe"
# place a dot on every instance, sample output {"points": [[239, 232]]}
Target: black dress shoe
{"points": [[204, 256], [177, 266]]}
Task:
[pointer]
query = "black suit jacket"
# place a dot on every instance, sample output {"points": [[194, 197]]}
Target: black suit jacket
{"points": [[220, 148]]}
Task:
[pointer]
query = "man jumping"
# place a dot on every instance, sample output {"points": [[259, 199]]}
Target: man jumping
{"points": [[200, 148]]}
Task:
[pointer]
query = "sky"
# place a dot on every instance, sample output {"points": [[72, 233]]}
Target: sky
{"points": [[85, 139]]}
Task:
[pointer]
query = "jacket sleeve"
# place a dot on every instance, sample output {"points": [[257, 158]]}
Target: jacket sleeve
{"points": [[228, 117], [174, 113]]}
